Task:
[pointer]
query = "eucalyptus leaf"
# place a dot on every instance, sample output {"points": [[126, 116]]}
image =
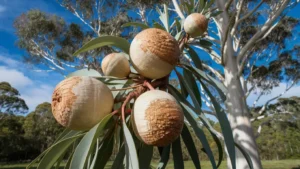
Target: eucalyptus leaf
{"points": [[56, 151], [101, 41], [85, 72], [130, 148], [145, 156], [118, 162], [165, 155], [190, 145], [86, 145], [136, 24], [177, 154]]}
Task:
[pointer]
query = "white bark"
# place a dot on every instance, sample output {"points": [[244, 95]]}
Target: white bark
{"points": [[238, 113]]}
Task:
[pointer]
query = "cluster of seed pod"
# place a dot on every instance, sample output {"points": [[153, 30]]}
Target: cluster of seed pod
{"points": [[79, 103]]}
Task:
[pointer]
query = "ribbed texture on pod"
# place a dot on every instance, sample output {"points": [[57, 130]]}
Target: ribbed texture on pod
{"points": [[157, 118], [195, 24], [154, 53], [116, 64], [79, 103]]}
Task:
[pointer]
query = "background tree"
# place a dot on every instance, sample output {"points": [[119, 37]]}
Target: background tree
{"points": [[10, 101], [41, 127]]}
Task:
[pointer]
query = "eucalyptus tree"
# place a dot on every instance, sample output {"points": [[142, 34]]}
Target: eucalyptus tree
{"points": [[10, 100], [240, 33]]}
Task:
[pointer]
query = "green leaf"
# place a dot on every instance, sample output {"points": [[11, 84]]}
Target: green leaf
{"points": [[208, 5], [130, 148], [62, 134], [225, 126], [204, 76], [190, 145], [177, 154], [56, 151], [86, 145], [188, 76], [67, 166], [158, 26], [187, 85], [201, 5], [214, 14], [194, 56], [164, 157], [164, 17], [136, 24], [205, 43], [246, 155], [115, 41], [85, 72], [188, 112], [118, 162], [104, 152], [145, 156]]}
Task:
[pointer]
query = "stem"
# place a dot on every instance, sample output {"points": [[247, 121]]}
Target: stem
{"points": [[147, 84], [126, 88], [128, 98]]}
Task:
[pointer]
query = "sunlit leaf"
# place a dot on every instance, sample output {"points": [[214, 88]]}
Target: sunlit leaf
{"points": [[86, 145], [115, 41], [56, 151], [130, 149], [136, 24], [85, 72]]}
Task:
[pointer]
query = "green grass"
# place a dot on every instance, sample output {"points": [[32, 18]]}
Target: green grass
{"points": [[281, 164]]}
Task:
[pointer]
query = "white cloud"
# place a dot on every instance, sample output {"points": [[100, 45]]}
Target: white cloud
{"points": [[14, 77], [295, 91], [8, 61], [32, 91], [2, 8]]}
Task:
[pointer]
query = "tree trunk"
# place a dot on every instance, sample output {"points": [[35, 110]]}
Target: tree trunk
{"points": [[238, 112], [238, 115]]}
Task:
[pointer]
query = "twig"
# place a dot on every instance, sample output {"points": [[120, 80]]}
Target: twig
{"points": [[126, 88], [147, 84]]}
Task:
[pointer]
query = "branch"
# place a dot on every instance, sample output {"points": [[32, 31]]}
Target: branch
{"points": [[262, 31], [215, 72], [262, 110], [178, 10], [238, 21], [239, 10]]}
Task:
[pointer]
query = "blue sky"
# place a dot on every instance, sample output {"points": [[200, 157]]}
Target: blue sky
{"points": [[37, 87]]}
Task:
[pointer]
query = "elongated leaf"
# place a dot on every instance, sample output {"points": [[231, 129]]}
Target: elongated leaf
{"points": [[62, 134], [188, 76], [194, 56], [85, 72], [164, 157], [204, 120], [145, 156], [203, 76], [201, 5], [115, 41], [86, 145], [215, 14], [67, 166], [130, 148], [118, 163], [225, 126], [190, 145], [189, 89], [104, 152], [177, 154], [205, 43], [246, 155], [199, 133], [136, 24], [158, 26], [56, 151]]}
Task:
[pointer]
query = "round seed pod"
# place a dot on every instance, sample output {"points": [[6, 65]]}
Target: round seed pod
{"points": [[154, 53], [116, 64], [195, 24], [157, 118], [79, 103]]}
